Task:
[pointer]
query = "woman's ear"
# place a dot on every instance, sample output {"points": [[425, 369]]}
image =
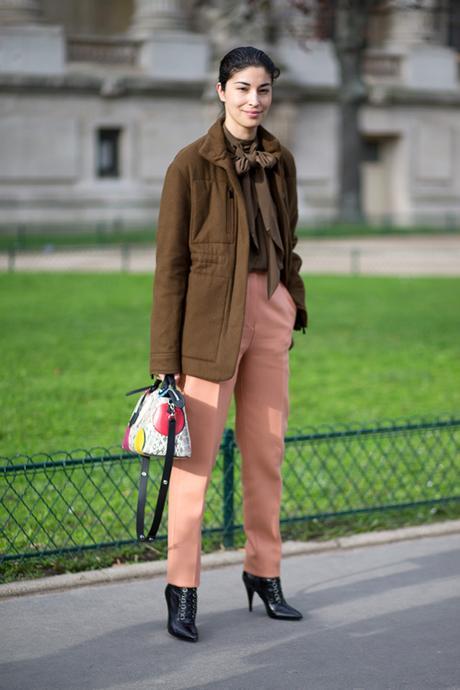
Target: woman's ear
{"points": [[220, 91]]}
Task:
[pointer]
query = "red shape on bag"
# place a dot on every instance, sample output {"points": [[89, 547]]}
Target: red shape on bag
{"points": [[161, 419]]}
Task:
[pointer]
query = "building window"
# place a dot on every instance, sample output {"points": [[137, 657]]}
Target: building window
{"points": [[108, 152], [371, 150]]}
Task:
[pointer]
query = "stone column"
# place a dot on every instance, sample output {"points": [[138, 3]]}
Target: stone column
{"points": [[168, 49], [410, 22], [14, 12], [28, 46], [152, 15], [411, 32]]}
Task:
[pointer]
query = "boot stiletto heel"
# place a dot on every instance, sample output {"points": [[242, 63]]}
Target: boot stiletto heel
{"points": [[269, 590], [249, 592]]}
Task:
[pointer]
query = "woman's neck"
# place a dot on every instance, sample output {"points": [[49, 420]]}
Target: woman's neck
{"points": [[239, 132]]}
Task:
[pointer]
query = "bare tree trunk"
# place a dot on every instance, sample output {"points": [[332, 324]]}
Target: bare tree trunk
{"points": [[351, 22]]}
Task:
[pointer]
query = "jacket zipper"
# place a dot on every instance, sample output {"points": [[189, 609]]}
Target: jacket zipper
{"points": [[230, 213]]}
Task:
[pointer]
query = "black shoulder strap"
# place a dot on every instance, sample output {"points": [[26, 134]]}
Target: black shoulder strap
{"points": [[163, 491]]}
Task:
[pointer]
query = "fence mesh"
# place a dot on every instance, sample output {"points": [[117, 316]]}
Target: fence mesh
{"points": [[86, 499]]}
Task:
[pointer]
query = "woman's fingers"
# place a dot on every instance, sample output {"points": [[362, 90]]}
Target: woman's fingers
{"points": [[178, 378]]}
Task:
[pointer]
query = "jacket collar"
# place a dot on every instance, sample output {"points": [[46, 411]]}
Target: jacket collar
{"points": [[214, 147]]}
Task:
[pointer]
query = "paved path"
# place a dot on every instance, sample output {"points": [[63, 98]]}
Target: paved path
{"points": [[404, 256], [382, 617]]}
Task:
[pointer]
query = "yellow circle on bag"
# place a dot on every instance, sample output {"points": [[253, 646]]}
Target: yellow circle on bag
{"points": [[139, 440]]}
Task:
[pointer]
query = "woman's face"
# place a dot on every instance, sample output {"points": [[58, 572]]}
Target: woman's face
{"points": [[247, 98]]}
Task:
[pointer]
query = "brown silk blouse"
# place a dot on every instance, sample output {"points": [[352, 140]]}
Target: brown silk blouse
{"points": [[266, 250]]}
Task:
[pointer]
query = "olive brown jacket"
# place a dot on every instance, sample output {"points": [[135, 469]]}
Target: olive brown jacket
{"points": [[202, 257]]}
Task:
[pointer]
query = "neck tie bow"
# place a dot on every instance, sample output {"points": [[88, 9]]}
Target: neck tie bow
{"points": [[249, 159], [249, 156]]}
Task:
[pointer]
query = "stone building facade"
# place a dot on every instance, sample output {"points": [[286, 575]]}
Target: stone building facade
{"points": [[97, 96]]}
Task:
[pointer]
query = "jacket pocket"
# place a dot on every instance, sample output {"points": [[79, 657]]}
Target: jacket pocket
{"points": [[210, 211], [205, 307]]}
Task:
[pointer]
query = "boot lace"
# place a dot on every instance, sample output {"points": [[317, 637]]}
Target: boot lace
{"points": [[187, 603], [276, 593]]}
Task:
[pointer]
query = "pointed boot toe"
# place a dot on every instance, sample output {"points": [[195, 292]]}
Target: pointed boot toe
{"points": [[269, 590]]}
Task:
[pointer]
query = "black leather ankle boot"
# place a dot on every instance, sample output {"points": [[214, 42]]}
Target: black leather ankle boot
{"points": [[269, 590], [182, 604]]}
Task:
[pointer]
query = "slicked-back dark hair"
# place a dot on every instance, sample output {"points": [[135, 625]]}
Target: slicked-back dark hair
{"points": [[240, 58]]}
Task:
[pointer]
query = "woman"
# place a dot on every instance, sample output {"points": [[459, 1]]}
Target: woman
{"points": [[227, 294]]}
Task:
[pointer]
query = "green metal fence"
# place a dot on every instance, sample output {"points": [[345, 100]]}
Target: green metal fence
{"points": [[67, 502]]}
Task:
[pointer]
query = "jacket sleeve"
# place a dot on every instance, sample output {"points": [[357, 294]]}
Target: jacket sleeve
{"points": [[295, 283], [171, 273]]}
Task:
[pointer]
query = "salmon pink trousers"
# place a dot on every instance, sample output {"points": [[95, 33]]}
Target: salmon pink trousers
{"points": [[260, 386]]}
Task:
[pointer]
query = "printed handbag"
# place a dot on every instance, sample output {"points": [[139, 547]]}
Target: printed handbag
{"points": [[157, 428]]}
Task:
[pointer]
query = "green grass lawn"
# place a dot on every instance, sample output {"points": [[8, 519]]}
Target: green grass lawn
{"points": [[72, 345]]}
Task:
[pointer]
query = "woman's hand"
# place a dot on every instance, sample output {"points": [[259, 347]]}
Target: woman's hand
{"points": [[178, 378]]}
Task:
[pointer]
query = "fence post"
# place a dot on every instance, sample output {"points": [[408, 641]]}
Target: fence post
{"points": [[125, 255], [228, 487], [100, 233], [11, 259], [20, 236], [355, 256]]}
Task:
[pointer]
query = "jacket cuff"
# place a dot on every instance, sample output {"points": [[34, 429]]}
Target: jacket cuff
{"points": [[301, 319], [168, 363]]}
